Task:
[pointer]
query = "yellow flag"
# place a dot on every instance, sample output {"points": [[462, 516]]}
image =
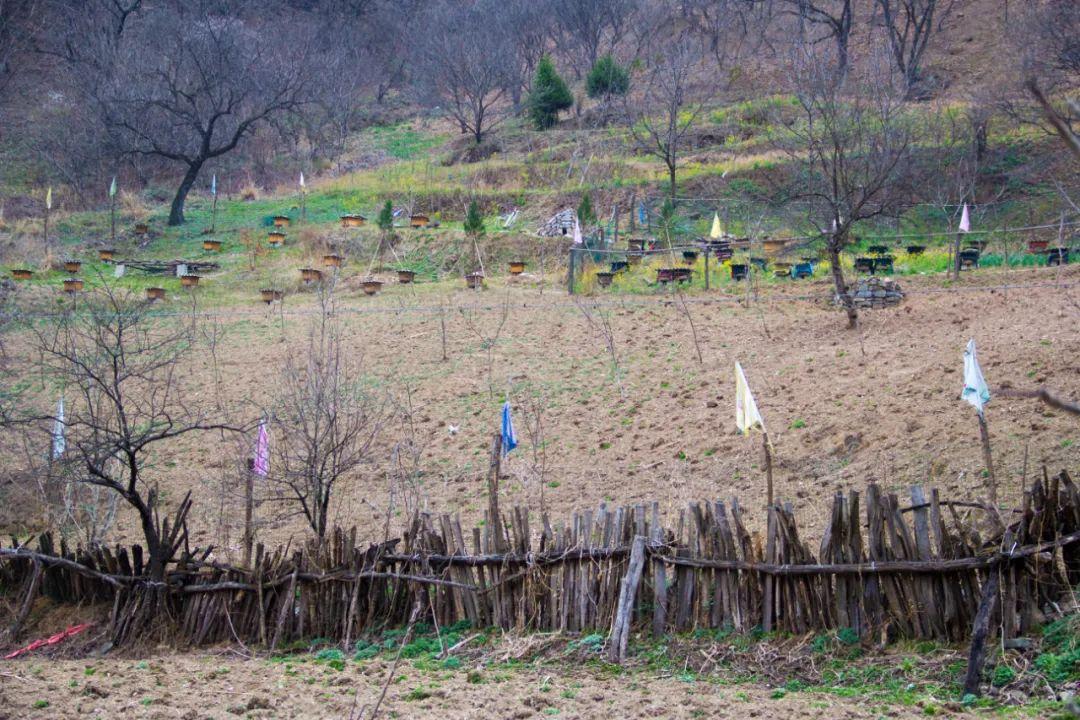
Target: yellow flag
{"points": [[747, 416], [717, 232], [48, 199]]}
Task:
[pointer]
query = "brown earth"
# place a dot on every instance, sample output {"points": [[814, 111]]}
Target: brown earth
{"points": [[222, 685], [842, 407]]}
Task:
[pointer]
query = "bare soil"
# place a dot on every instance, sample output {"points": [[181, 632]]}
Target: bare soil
{"points": [[842, 407], [222, 685]]}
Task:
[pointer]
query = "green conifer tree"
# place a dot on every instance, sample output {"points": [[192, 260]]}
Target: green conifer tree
{"points": [[549, 95]]}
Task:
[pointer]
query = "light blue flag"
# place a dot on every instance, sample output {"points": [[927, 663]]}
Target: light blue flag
{"points": [[975, 390], [509, 437], [213, 184], [641, 213]]}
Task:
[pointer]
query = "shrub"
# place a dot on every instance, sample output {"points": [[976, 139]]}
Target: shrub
{"points": [[549, 95], [607, 78]]}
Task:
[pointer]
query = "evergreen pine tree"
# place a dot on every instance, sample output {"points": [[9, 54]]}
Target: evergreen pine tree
{"points": [[385, 221], [549, 95], [607, 79], [585, 213], [474, 221]]}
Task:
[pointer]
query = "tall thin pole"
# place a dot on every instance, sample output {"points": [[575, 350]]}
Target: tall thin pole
{"points": [[984, 435], [213, 214], [45, 229], [112, 218], [570, 275], [768, 468], [249, 511]]}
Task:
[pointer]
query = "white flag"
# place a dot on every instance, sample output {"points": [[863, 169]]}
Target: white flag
{"points": [[717, 232], [58, 442], [747, 416], [965, 221], [213, 185], [48, 199], [577, 233], [112, 187], [975, 390], [301, 179]]}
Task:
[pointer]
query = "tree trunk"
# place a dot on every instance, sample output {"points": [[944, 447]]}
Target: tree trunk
{"points": [[841, 284], [671, 179], [155, 549], [176, 212]]}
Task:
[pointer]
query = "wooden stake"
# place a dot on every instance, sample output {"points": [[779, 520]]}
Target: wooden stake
{"points": [[624, 613], [249, 509], [979, 631], [956, 257], [768, 468], [493, 493], [213, 216], [984, 433]]}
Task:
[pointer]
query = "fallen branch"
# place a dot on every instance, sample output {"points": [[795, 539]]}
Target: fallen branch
{"points": [[1045, 395]]}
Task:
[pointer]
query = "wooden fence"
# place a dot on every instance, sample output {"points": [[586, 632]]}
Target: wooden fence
{"points": [[924, 571]]}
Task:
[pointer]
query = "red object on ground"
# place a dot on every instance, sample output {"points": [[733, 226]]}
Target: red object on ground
{"points": [[52, 640]]}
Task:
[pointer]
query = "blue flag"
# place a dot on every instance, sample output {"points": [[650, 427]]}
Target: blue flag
{"points": [[509, 437], [213, 185], [641, 213]]}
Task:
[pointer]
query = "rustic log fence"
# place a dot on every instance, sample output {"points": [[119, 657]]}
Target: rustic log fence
{"points": [[930, 570]]}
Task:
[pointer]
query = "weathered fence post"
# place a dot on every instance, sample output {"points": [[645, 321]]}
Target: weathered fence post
{"points": [[570, 275], [624, 611], [979, 631], [493, 493]]}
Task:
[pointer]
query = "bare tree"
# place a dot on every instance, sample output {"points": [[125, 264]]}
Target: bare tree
{"points": [[909, 25], [325, 422], [729, 27], [854, 143], [586, 26], [20, 20], [185, 82], [821, 20], [662, 117], [465, 62], [1051, 54], [121, 371], [525, 23]]}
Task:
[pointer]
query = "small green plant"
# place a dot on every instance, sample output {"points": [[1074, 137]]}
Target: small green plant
{"points": [[591, 643], [798, 424], [41, 704], [416, 694], [1003, 675], [365, 650], [474, 678], [778, 694], [848, 636], [451, 663]]}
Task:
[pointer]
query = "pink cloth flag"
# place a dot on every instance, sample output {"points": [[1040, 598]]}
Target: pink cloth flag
{"points": [[262, 452], [965, 221]]}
